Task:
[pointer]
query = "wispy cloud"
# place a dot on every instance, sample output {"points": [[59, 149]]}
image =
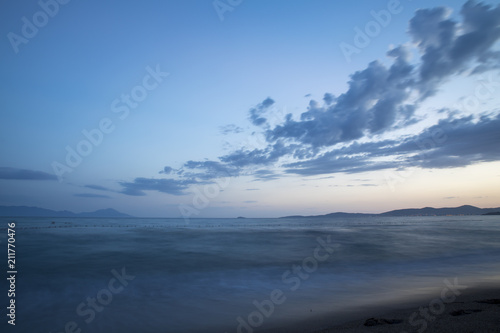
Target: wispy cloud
{"points": [[169, 186], [91, 195], [230, 129], [24, 174], [97, 187]]}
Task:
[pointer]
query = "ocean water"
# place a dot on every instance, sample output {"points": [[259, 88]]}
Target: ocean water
{"points": [[234, 275]]}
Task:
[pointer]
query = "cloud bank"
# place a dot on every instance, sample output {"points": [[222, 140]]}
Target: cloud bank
{"points": [[339, 134]]}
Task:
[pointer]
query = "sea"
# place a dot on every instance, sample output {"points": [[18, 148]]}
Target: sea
{"points": [[234, 275]]}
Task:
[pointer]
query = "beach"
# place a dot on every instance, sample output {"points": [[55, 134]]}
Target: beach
{"points": [[476, 310]]}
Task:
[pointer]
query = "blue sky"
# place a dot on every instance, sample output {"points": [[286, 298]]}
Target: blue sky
{"points": [[253, 108]]}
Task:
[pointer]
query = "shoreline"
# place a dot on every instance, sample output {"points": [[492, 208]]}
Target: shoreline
{"points": [[476, 309]]}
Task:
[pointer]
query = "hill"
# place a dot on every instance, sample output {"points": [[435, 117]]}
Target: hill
{"points": [[429, 211], [426, 211], [25, 211]]}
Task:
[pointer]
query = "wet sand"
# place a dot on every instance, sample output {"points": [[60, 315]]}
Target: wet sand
{"points": [[476, 310], [472, 310]]}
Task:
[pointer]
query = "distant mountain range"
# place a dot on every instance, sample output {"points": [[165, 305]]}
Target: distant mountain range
{"points": [[18, 211], [427, 211]]}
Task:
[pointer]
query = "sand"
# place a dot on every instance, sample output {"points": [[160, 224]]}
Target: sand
{"points": [[473, 310], [476, 310]]}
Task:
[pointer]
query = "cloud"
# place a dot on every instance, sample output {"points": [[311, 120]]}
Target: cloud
{"points": [[230, 129], [265, 175], [328, 164], [466, 142], [169, 186], [382, 98], [24, 174], [91, 195], [167, 170], [271, 154], [206, 170], [450, 143], [341, 134], [97, 187], [450, 47], [374, 103], [329, 98], [255, 114]]}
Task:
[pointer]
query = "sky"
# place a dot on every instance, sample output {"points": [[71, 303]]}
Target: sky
{"points": [[255, 108]]}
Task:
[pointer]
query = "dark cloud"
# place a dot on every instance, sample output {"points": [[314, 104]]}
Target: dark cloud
{"points": [[466, 141], [170, 186], [450, 143], [377, 99], [167, 170], [256, 113], [329, 98], [97, 187], [91, 195], [374, 103], [449, 47], [24, 174]]}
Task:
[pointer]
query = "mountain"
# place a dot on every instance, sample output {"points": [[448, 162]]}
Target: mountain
{"points": [[429, 211], [426, 211], [109, 212], [18, 211], [338, 214], [493, 213]]}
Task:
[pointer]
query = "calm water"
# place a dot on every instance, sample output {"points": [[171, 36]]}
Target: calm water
{"points": [[163, 275]]}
